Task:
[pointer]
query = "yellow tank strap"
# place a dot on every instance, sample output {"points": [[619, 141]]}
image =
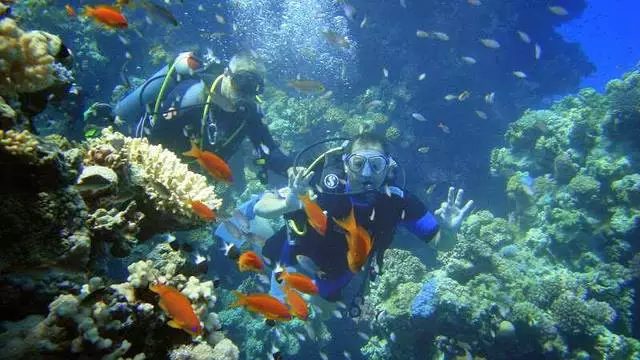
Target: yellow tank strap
{"points": [[292, 225], [163, 88]]}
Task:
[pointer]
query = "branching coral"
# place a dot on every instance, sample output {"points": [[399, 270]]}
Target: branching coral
{"points": [[161, 185]]}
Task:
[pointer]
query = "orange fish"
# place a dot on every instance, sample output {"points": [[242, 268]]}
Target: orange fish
{"points": [[299, 281], [315, 216], [296, 303], [358, 241], [202, 210], [250, 261], [70, 10], [178, 307], [212, 163], [107, 15], [264, 304]]}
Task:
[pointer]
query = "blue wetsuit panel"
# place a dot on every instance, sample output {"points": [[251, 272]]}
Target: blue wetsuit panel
{"points": [[425, 227]]}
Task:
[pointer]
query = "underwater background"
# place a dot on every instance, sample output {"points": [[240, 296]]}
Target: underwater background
{"points": [[533, 107]]}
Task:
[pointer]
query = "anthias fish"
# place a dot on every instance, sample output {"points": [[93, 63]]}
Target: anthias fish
{"points": [[359, 242], [202, 210], [212, 163], [250, 261], [315, 216], [178, 307], [299, 281], [107, 15], [298, 306], [265, 304]]}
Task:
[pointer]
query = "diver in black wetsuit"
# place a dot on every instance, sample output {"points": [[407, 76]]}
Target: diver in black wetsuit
{"points": [[360, 176], [178, 106]]}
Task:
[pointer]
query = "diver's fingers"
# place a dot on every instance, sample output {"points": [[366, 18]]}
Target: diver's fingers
{"points": [[459, 198], [307, 179], [450, 196], [438, 212], [292, 177], [466, 208]]}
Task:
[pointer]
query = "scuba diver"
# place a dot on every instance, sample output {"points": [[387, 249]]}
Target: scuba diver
{"points": [[361, 176], [183, 103]]}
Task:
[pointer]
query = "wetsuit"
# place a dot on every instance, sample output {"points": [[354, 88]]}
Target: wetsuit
{"points": [[329, 252], [232, 128]]}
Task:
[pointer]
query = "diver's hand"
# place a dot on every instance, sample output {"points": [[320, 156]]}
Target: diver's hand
{"points": [[298, 181], [298, 185], [450, 212]]}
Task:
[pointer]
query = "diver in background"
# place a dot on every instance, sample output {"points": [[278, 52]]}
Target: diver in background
{"points": [[183, 104]]}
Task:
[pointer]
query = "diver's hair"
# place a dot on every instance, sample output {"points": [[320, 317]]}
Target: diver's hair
{"points": [[367, 139], [247, 61]]}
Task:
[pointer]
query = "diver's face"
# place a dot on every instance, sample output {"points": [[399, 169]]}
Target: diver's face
{"points": [[366, 168]]}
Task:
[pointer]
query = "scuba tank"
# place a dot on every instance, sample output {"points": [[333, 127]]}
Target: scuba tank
{"points": [[134, 105]]}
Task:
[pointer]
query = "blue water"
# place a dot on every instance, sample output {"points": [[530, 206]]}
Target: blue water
{"points": [[608, 33]]}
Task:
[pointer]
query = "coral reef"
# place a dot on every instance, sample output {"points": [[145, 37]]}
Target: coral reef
{"points": [[111, 321], [551, 281]]}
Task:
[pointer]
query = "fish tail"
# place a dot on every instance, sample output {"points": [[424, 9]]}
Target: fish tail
{"points": [[194, 152], [240, 301], [87, 10]]}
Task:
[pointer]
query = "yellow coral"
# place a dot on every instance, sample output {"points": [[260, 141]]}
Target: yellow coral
{"points": [[25, 59], [167, 181], [22, 144]]}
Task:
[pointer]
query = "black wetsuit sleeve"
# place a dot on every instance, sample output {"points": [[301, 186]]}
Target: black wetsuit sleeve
{"points": [[418, 219], [262, 140]]}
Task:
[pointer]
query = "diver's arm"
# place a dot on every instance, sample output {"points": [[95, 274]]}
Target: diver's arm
{"points": [[261, 138], [271, 206]]}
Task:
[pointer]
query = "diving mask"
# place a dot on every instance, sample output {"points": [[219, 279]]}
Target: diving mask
{"points": [[247, 83], [377, 162]]}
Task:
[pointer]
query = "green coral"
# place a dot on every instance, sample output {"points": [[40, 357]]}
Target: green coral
{"points": [[400, 267], [376, 349], [624, 219], [400, 300], [627, 189], [575, 316], [392, 133], [584, 187]]}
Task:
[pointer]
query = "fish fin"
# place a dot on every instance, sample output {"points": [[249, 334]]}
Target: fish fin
{"points": [[174, 324], [240, 301], [194, 152], [348, 223], [163, 306]]}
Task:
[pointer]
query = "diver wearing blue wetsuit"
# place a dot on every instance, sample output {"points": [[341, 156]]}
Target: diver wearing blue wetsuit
{"points": [[361, 179], [175, 108]]}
